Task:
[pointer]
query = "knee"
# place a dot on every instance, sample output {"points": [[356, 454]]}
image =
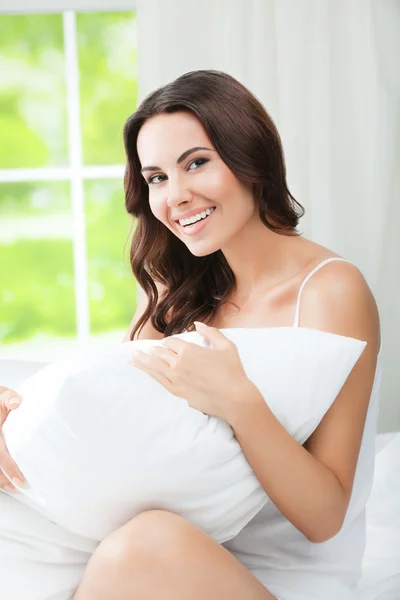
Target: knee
{"points": [[150, 539]]}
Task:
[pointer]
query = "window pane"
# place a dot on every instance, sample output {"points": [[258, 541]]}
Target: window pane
{"points": [[108, 86], [32, 95], [112, 288], [36, 261]]}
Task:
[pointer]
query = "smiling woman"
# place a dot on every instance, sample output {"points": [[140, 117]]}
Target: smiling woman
{"points": [[204, 142], [216, 224]]}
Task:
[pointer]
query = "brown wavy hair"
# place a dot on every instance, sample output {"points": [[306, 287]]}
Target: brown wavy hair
{"points": [[247, 140]]}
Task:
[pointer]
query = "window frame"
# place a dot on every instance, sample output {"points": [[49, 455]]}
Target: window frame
{"points": [[76, 172]]}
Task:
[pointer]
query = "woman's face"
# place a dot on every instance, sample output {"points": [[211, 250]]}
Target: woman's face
{"points": [[185, 174]]}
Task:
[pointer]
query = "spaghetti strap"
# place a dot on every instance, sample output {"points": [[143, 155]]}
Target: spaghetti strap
{"points": [[324, 262]]}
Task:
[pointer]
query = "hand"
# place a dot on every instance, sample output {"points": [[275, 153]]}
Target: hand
{"points": [[211, 380], [9, 400]]}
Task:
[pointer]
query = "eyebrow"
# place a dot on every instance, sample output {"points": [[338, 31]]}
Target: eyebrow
{"points": [[180, 159]]}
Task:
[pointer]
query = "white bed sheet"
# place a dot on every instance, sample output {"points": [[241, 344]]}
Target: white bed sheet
{"points": [[381, 565]]}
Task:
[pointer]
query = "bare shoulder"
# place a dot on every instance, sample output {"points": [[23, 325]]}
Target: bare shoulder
{"points": [[338, 299], [147, 332]]}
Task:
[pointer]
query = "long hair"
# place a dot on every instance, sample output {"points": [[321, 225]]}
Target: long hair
{"points": [[247, 140]]}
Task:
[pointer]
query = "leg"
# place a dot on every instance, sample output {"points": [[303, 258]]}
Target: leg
{"points": [[159, 555]]}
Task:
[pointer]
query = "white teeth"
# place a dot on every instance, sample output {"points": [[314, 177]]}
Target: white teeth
{"points": [[197, 217]]}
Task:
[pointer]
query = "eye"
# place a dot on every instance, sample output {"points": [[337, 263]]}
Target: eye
{"points": [[197, 162], [153, 179]]}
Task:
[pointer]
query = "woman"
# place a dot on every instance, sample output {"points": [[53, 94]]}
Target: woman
{"points": [[203, 148]]}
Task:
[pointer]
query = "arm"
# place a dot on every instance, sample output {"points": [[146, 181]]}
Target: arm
{"points": [[311, 485]]}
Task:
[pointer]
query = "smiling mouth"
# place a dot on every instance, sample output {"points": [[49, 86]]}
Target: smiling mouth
{"points": [[196, 227], [199, 220]]}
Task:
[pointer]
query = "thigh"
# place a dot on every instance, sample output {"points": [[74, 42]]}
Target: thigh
{"points": [[161, 555]]}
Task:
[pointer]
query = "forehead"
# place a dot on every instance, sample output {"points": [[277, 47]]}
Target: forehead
{"points": [[165, 137]]}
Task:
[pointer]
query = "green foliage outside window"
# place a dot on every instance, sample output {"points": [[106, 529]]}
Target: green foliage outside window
{"points": [[37, 292]]}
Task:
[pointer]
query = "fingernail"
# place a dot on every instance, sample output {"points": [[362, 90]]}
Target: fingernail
{"points": [[19, 482], [14, 401]]}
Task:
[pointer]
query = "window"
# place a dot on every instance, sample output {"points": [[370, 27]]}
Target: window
{"points": [[69, 83]]}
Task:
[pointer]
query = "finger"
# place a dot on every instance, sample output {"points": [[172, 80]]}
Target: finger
{"points": [[5, 483], [3, 479], [10, 488], [175, 344], [8, 465], [169, 356], [155, 363], [10, 399], [4, 410]]}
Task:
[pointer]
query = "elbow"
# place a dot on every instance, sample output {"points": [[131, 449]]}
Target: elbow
{"points": [[325, 531], [329, 523]]}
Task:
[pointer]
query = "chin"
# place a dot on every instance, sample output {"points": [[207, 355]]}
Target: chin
{"points": [[203, 250]]}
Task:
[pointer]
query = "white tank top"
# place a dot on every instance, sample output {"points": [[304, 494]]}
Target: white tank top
{"points": [[280, 556]]}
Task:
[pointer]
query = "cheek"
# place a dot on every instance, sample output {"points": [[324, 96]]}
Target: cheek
{"points": [[219, 183], [158, 206]]}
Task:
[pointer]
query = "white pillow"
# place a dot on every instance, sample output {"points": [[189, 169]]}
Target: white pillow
{"points": [[100, 440], [14, 371]]}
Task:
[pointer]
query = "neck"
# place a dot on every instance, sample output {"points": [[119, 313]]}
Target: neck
{"points": [[260, 257]]}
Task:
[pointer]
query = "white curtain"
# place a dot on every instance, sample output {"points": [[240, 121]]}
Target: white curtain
{"points": [[328, 73]]}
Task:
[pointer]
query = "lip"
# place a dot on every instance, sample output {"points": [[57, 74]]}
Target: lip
{"points": [[191, 213], [198, 227]]}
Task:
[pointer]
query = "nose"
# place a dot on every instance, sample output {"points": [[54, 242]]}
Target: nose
{"points": [[178, 192]]}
